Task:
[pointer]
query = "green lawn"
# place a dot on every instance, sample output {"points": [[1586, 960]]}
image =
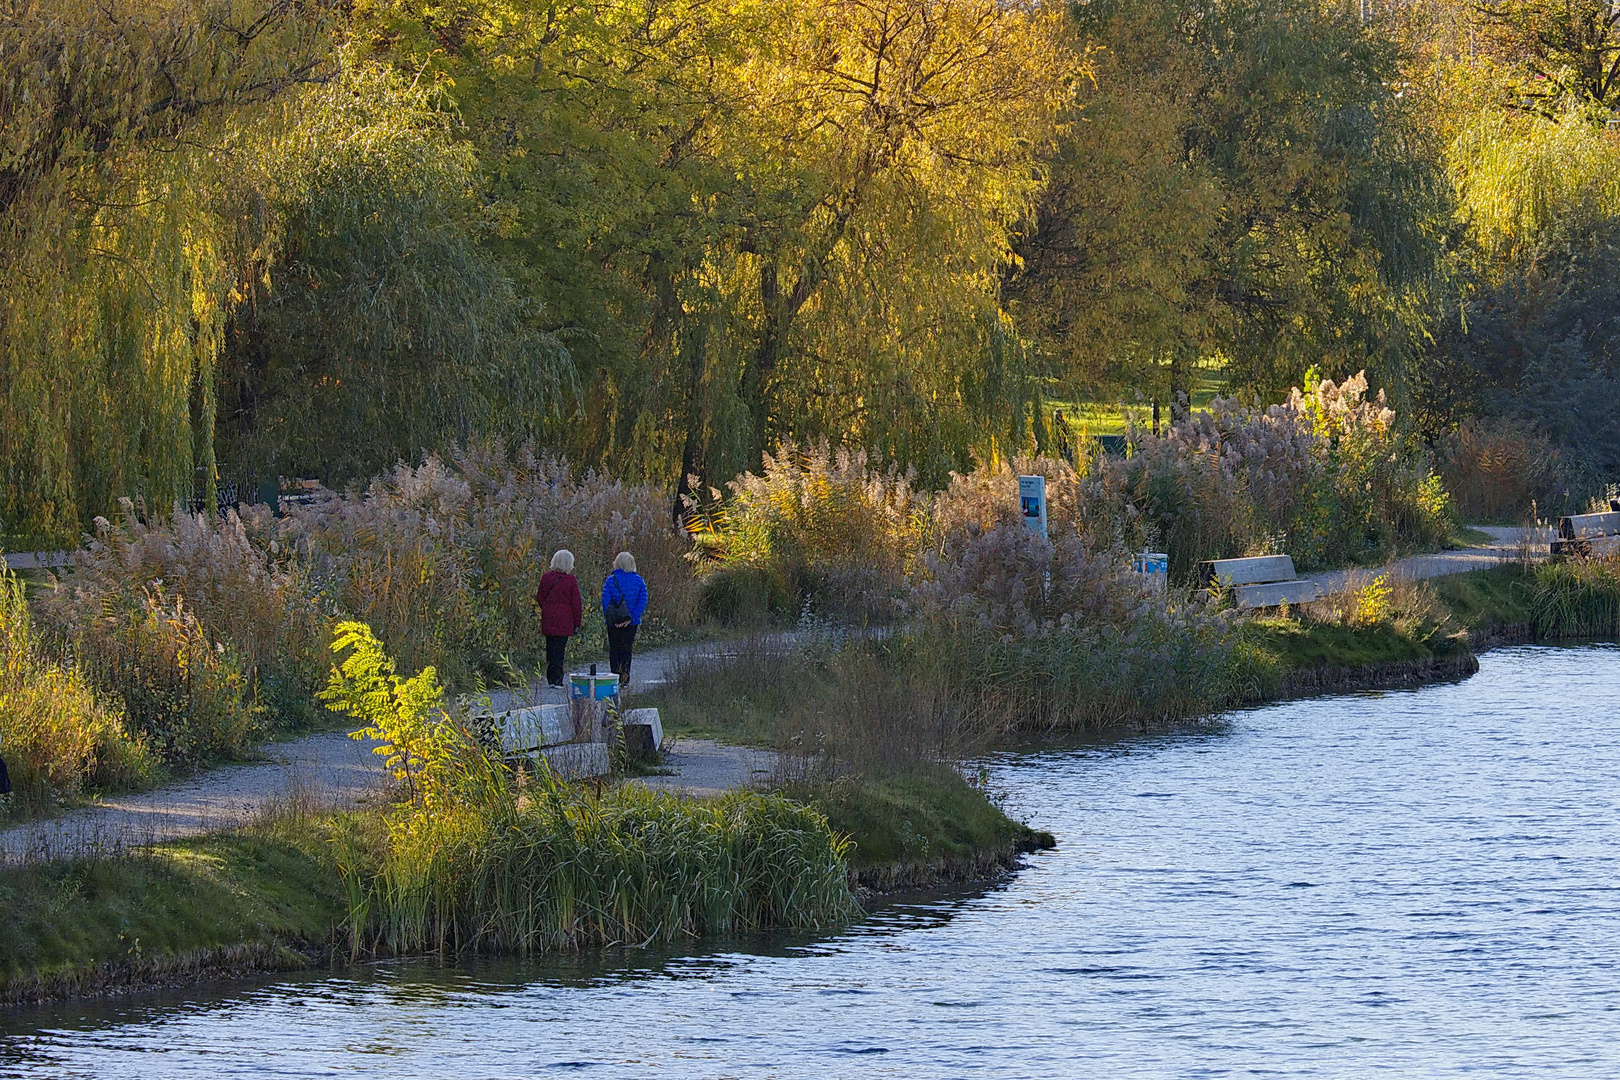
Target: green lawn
{"points": [[246, 900]]}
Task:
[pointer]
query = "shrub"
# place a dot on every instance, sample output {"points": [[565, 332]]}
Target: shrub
{"points": [[56, 733], [1326, 476], [743, 594], [1499, 471], [245, 589], [837, 530], [186, 697]]}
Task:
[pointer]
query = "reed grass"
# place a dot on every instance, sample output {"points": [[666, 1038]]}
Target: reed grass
{"points": [[57, 734], [1576, 598], [564, 868]]}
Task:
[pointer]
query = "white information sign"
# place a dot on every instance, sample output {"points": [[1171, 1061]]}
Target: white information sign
{"points": [[1032, 502]]}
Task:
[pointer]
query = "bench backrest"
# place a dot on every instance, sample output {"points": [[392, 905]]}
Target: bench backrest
{"points": [[1577, 526], [1252, 571]]}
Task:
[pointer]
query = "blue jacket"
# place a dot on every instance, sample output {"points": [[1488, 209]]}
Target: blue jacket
{"points": [[631, 588]]}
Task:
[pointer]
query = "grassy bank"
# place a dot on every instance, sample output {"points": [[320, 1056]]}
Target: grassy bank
{"points": [[553, 871], [920, 829], [262, 900]]}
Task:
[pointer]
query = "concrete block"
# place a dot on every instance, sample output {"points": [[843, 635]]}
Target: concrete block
{"points": [[522, 730], [1261, 568], [1270, 594], [643, 731], [1587, 547], [577, 761], [1584, 526]]}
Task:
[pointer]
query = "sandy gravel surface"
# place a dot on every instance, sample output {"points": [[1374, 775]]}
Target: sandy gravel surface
{"points": [[328, 770], [1505, 546], [704, 767]]}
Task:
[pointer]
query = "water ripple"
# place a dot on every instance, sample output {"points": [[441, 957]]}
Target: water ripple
{"points": [[1417, 883]]}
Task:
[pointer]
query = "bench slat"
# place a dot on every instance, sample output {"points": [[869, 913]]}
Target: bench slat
{"points": [[1272, 593], [1578, 526], [1251, 571]]}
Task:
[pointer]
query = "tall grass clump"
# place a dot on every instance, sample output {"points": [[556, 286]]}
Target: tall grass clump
{"points": [[56, 733], [475, 860], [1576, 598], [819, 525], [444, 558], [562, 868], [1327, 476]]}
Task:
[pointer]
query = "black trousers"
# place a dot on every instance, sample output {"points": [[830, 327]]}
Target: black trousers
{"points": [[621, 639], [556, 646]]}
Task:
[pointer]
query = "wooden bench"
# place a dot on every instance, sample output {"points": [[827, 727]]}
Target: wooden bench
{"points": [[1261, 581], [1588, 534]]}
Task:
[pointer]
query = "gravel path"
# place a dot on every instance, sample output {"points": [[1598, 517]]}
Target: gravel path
{"points": [[334, 770], [329, 770], [1507, 544]]}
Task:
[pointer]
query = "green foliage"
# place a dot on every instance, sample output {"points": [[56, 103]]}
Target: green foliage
{"points": [[383, 327], [564, 869], [427, 748], [250, 901], [1535, 345], [1566, 52], [1244, 182], [743, 234], [1328, 477], [56, 732]]}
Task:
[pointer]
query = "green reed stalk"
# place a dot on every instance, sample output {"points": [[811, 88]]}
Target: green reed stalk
{"points": [[568, 870]]}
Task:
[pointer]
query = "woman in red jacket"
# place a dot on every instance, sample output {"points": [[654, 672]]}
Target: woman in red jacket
{"points": [[561, 611]]}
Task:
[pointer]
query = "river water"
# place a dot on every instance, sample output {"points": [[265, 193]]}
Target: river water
{"points": [[1419, 883]]}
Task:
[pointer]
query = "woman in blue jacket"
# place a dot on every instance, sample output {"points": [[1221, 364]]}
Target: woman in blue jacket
{"points": [[624, 601]]}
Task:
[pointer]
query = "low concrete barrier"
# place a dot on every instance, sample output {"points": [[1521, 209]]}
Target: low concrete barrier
{"points": [[1588, 534], [643, 732], [1259, 581]]}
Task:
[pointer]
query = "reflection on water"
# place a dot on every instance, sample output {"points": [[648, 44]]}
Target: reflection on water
{"points": [[1420, 883]]}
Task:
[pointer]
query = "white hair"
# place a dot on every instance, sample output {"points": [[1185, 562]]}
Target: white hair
{"points": [[563, 560], [625, 561]]}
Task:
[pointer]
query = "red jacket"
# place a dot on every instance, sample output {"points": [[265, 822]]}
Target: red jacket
{"points": [[561, 611]]}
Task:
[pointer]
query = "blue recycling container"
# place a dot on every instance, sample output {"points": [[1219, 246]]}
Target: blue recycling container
{"points": [[582, 684]]}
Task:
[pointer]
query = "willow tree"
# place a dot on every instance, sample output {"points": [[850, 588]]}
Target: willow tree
{"points": [[898, 145], [757, 219], [380, 327], [123, 238]]}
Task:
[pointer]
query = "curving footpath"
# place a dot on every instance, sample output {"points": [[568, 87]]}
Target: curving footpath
{"points": [[332, 770], [327, 770]]}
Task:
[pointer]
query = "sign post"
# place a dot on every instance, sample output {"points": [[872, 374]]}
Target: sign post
{"points": [[1032, 502]]}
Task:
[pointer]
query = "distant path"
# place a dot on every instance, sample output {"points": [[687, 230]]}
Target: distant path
{"points": [[36, 560], [1505, 546]]}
